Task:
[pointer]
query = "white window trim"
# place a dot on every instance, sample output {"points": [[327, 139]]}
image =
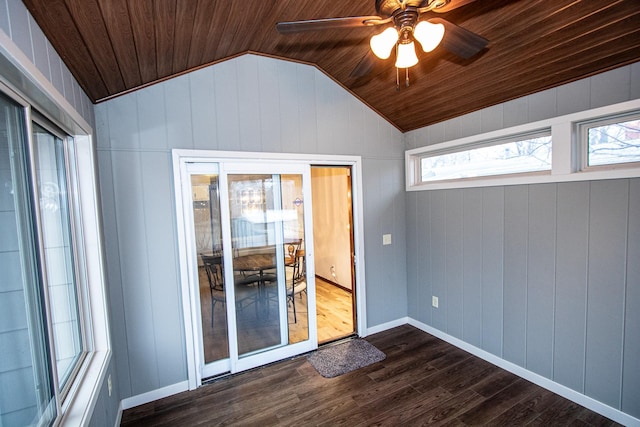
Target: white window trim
{"points": [[565, 161], [26, 81]]}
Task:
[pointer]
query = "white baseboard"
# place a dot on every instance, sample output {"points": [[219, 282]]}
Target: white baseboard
{"points": [[388, 325], [579, 398], [152, 395]]}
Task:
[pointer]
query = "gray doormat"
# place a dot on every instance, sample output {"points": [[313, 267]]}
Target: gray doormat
{"points": [[345, 357]]}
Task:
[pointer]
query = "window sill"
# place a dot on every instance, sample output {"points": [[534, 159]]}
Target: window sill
{"points": [[78, 407], [503, 180]]}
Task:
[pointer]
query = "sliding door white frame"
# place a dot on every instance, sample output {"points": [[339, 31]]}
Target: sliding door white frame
{"points": [[183, 157]]}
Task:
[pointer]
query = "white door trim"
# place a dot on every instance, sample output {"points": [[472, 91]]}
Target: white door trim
{"points": [[180, 159]]}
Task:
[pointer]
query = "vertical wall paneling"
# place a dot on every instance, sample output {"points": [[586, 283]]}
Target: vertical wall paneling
{"points": [[305, 87], [124, 111], [472, 266], [607, 88], [569, 258], [232, 106], [151, 114], [249, 103], [573, 97], [453, 260], [424, 260], [134, 265], [57, 77], [115, 289], [572, 242], [542, 105], [472, 124], [634, 90], [492, 268], [631, 349], [227, 117], [155, 167], [270, 104], [413, 259], [4, 17], [493, 117], [384, 302], [19, 20], [178, 106], [438, 223], [397, 270], [515, 112], [289, 108], [606, 287], [541, 278], [40, 53], [203, 109]]}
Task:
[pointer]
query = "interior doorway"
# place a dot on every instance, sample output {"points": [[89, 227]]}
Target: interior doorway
{"points": [[331, 189]]}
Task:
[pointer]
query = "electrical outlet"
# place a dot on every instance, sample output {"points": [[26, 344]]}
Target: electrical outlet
{"points": [[109, 385], [434, 301], [386, 239]]}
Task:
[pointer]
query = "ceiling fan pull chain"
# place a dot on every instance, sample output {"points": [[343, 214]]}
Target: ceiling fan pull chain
{"points": [[406, 78], [397, 79]]}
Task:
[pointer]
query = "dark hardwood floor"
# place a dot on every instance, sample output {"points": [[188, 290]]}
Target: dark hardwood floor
{"points": [[423, 380]]}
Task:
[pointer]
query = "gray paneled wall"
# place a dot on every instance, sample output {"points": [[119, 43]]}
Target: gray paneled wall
{"points": [[250, 103], [547, 279], [18, 24], [544, 276]]}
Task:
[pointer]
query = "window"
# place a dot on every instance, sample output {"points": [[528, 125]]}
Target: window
{"points": [[60, 275], [601, 143], [43, 339], [612, 141], [521, 153]]}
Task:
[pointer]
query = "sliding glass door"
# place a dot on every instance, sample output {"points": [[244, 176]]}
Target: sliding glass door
{"points": [[251, 273]]}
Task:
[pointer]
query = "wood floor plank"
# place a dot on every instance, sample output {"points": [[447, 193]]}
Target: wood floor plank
{"points": [[423, 381], [499, 403]]}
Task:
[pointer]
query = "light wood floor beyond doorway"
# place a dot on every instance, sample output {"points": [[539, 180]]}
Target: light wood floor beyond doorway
{"points": [[423, 380]]}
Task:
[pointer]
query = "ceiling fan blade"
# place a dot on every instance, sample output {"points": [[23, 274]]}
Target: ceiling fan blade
{"points": [[453, 4], [329, 24], [460, 41]]}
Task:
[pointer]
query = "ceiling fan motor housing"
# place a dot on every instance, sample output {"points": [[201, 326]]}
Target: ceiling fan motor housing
{"points": [[387, 8]]}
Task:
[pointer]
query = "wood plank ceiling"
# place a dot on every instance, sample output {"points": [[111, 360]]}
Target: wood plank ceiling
{"points": [[116, 46]]}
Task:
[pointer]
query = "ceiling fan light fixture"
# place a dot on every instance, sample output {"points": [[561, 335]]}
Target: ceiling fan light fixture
{"points": [[383, 43], [429, 35], [406, 55]]}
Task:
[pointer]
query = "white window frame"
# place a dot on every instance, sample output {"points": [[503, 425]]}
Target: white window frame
{"points": [[22, 81], [483, 144], [566, 163], [583, 133]]}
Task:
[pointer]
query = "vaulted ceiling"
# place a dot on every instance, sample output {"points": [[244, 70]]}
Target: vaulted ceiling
{"points": [[116, 46]]}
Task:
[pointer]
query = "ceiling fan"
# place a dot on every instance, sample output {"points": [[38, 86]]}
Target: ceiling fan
{"points": [[407, 27]]}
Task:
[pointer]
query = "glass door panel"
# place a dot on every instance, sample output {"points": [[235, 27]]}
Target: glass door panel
{"points": [[247, 261], [208, 241], [267, 235]]}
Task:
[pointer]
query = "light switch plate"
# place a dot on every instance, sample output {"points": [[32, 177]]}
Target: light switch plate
{"points": [[434, 301], [386, 239]]}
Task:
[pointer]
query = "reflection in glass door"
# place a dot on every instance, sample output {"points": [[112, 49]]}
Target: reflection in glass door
{"points": [[208, 239], [249, 243], [267, 236]]}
